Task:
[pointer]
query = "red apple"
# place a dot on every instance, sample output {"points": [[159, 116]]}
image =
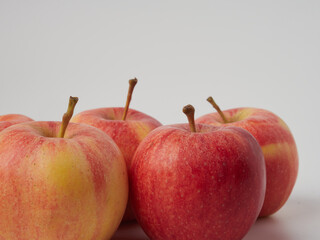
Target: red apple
{"points": [[127, 127], [204, 183], [58, 184], [11, 119], [278, 146]]}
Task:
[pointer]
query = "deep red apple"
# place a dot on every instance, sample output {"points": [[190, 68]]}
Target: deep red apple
{"points": [[60, 183], [201, 182], [11, 119], [127, 127], [278, 146]]}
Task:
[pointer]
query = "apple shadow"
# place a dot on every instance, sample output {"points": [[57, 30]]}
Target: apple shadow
{"points": [[297, 213], [300, 208], [268, 228], [130, 231]]}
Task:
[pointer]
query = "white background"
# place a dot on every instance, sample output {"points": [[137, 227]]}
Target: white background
{"points": [[262, 54]]}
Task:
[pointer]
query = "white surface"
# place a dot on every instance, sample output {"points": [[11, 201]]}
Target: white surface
{"points": [[244, 53]]}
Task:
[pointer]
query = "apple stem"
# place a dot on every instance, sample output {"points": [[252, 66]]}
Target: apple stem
{"points": [[189, 111], [67, 116], [132, 84], [216, 107]]}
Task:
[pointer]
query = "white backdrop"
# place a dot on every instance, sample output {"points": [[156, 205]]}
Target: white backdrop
{"points": [[262, 54]]}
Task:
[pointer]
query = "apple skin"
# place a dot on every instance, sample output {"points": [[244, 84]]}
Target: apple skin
{"points": [[52, 188], [127, 134], [278, 146], [11, 119], [204, 185]]}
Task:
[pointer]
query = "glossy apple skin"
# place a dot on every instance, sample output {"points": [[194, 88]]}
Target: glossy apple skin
{"points": [[127, 134], [52, 188], [11, 119], [204, 185], [278, 146]]}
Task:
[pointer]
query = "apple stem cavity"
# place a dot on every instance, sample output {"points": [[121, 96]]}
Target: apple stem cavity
{"points": [[132, 84], [189, 110], [67, 116], [216, 107]]}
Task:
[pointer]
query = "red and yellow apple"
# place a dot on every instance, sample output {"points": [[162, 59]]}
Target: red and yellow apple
{"points": [[11, 119], [202, 182], [127, 133], [59, 183], [278, 147], [127, 127]]}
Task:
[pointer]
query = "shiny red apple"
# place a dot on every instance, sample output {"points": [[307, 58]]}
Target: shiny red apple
{"points": [[11, 119], [278, 147], [202, 182], [127, 127]]}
